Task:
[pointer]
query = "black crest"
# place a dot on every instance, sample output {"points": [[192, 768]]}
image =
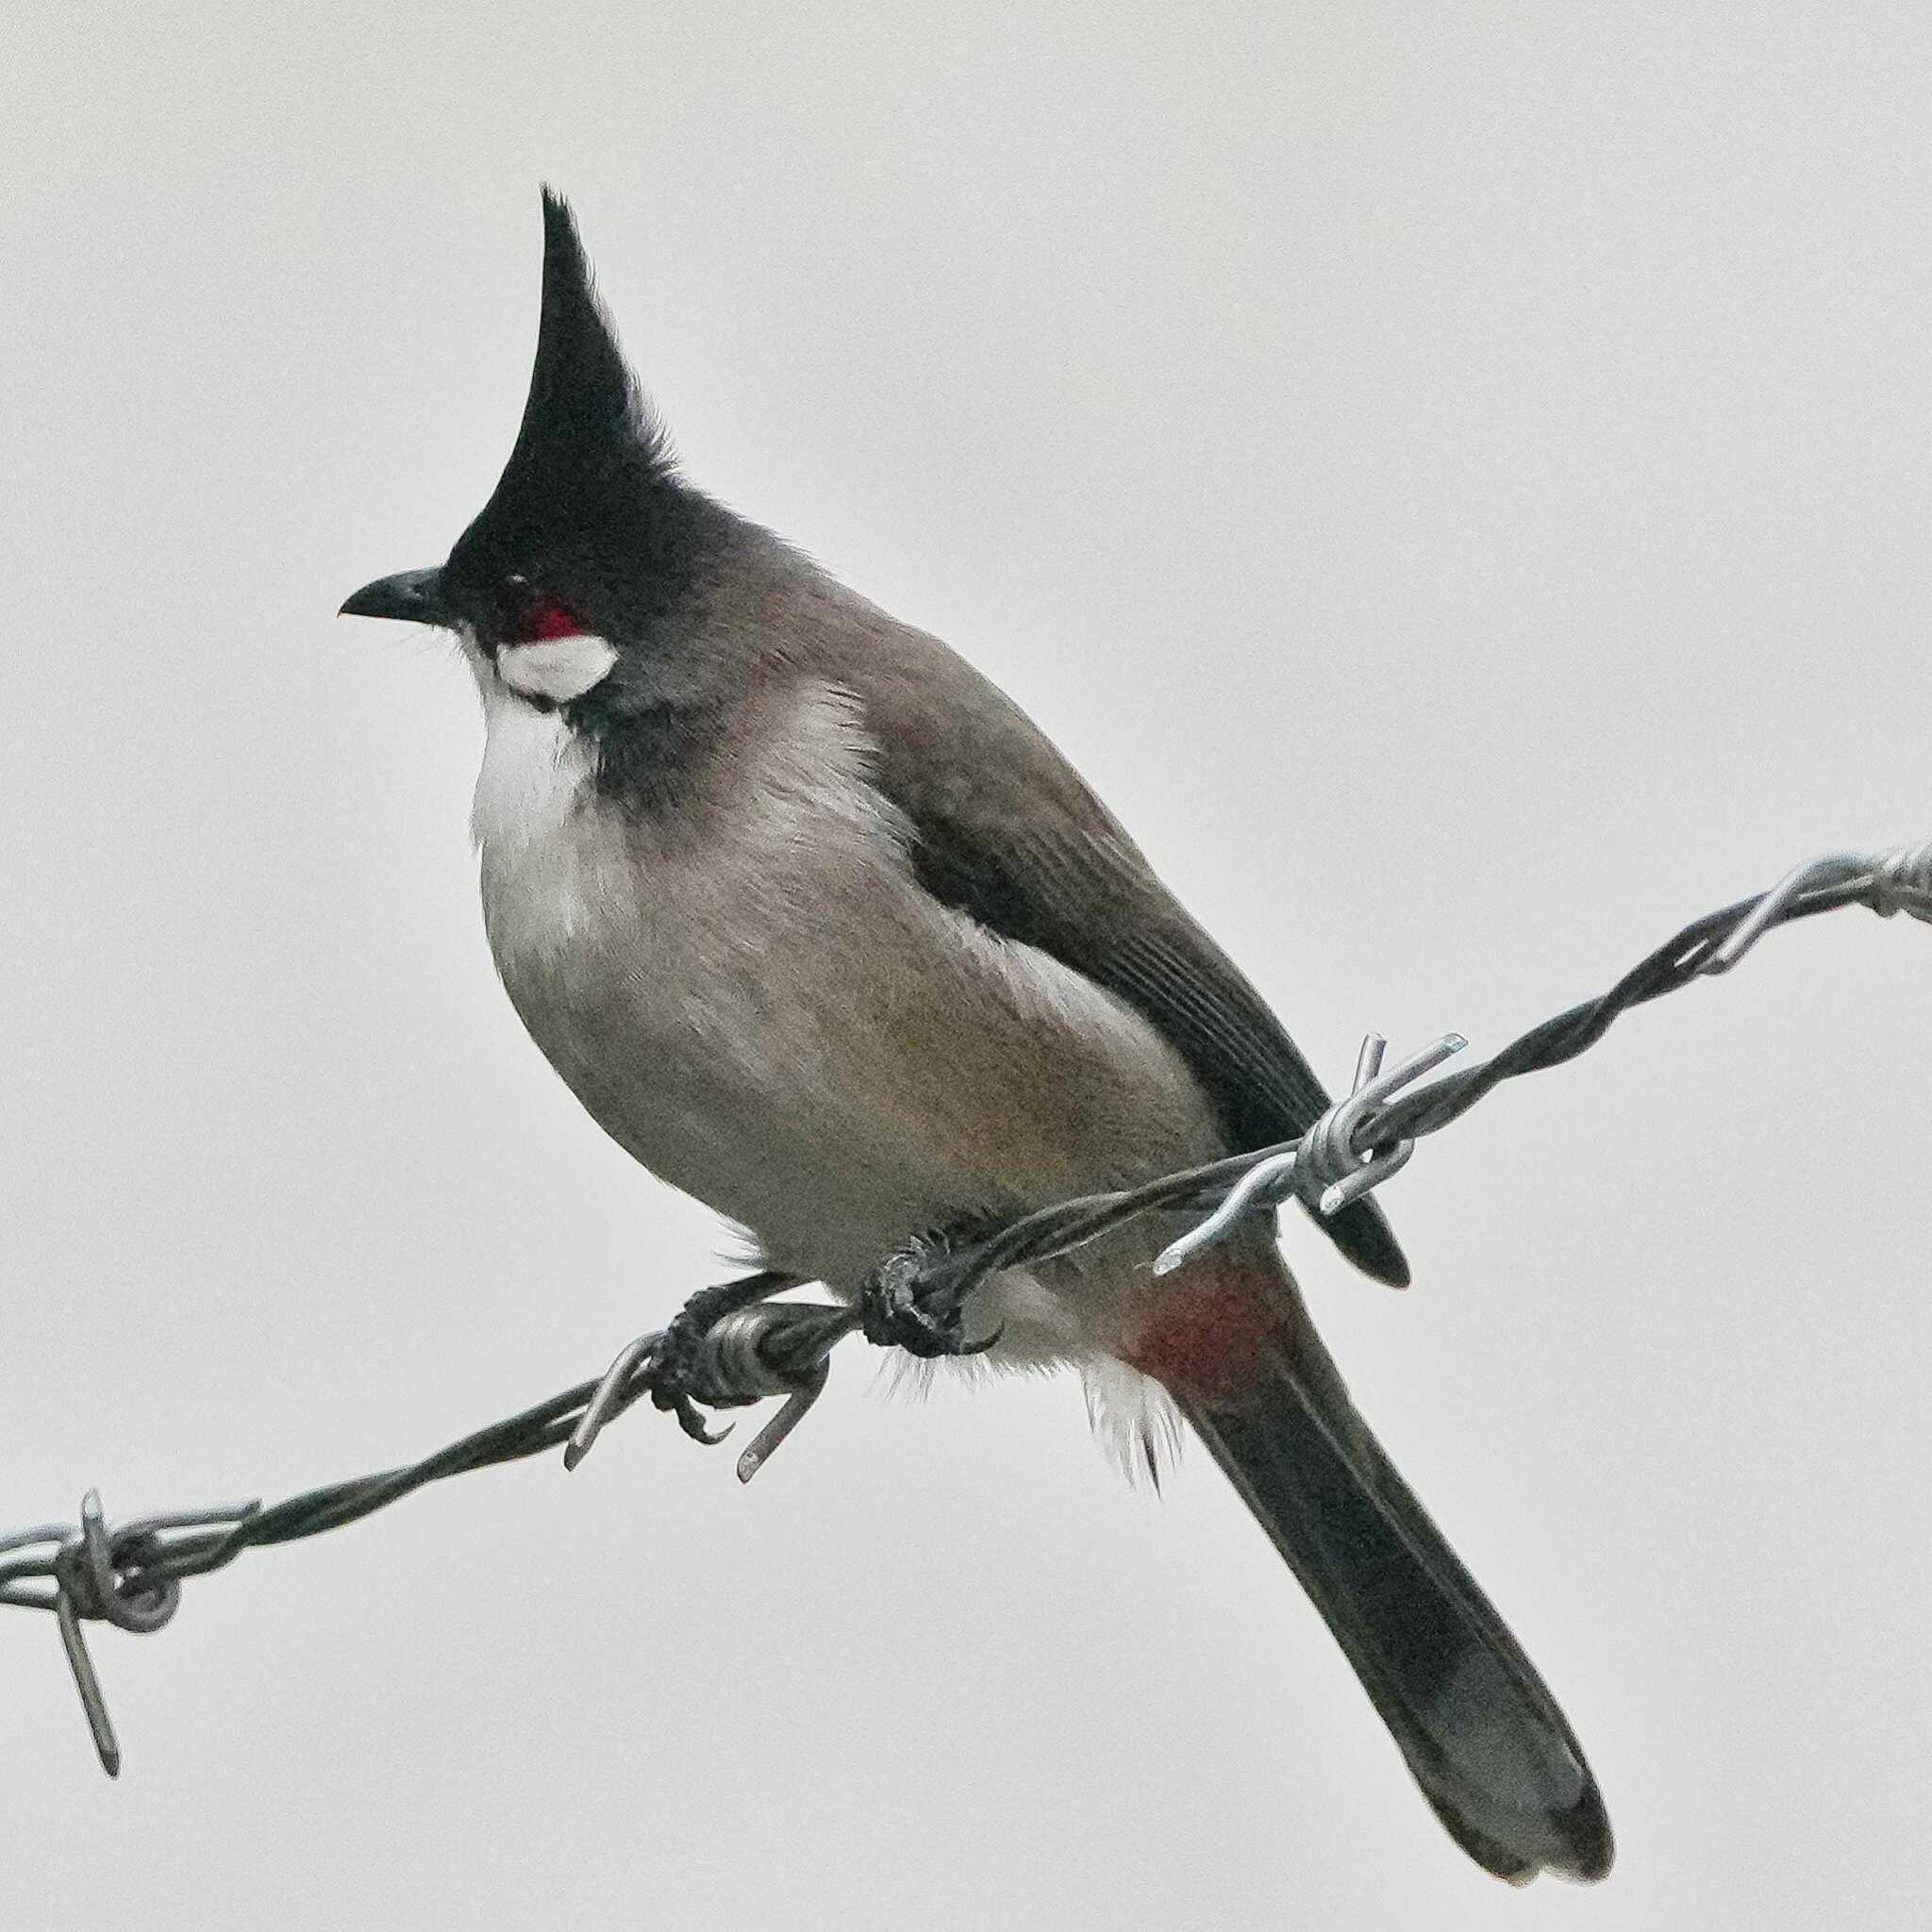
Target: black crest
{"points": [[582, 393], [591, 459]]}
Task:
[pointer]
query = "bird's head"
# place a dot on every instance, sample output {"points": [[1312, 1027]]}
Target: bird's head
{"points": [[589, 543]]}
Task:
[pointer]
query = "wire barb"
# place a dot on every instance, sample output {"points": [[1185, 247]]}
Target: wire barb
{"points": [[1335, 1162], [129, 1577], [733, 1346], [605, 1405], [1899, 880]]}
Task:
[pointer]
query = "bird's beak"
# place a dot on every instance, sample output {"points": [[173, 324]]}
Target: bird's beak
{"points": [[414, 595]]}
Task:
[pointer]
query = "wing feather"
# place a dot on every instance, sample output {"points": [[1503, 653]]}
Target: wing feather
{"points": [[1007, 832]]}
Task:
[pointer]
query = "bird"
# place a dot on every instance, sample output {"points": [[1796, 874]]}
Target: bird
{"points": [[822, 930]]}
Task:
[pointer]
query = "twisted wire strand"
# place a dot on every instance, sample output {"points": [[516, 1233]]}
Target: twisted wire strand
{"points": [[131, 1575]]}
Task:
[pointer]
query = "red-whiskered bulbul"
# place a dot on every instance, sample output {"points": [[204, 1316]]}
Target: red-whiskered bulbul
{"points": [[822, 929]]}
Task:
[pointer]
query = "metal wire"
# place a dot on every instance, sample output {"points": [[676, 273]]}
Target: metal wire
{"points": [[733, 1347]]}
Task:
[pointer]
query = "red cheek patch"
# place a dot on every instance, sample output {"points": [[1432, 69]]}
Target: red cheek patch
{"points": [[550, 620], [1209, 1333]]}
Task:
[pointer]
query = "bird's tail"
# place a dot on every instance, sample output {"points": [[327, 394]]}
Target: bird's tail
{"points": [[1484, 1738]]}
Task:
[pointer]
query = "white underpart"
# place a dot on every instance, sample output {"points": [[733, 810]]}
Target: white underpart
{"points": [[558, 669], [1134, 1418], [535, 774]]}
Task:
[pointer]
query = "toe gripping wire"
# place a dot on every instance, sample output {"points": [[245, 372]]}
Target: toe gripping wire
{"points": [[733, 1346], [740, 1355]]}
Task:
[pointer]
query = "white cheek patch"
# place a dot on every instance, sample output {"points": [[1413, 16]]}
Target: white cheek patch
{"points": [[556, 669]]}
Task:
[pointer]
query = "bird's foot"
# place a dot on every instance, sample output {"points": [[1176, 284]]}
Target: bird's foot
{"points": [[914, 1300], [677, 1379]]}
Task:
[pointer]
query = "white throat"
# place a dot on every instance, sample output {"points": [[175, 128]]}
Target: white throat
{"points": [[553, 857], [536, 770]]}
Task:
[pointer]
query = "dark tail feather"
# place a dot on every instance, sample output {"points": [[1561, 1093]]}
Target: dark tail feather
{"points": [[1482, 1735]]}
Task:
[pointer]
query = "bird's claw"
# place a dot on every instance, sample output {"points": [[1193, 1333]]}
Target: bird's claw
{"points": [[909, 1303], [674, 1368], [691, 1419]]}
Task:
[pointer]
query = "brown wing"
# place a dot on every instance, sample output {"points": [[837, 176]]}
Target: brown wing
{"points": [[1009, 833]]}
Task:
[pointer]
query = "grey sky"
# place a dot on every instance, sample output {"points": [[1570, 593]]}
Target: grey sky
{"points": [[1458, 480]]}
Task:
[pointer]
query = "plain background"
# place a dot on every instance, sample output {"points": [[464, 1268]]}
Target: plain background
{"points": [[1458, 480]]}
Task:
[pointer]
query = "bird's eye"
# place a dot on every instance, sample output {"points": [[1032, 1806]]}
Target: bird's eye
{"points": [[543, 618]]}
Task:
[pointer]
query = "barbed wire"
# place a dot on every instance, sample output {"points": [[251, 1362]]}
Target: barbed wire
{"points": [[733, 1346]]}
